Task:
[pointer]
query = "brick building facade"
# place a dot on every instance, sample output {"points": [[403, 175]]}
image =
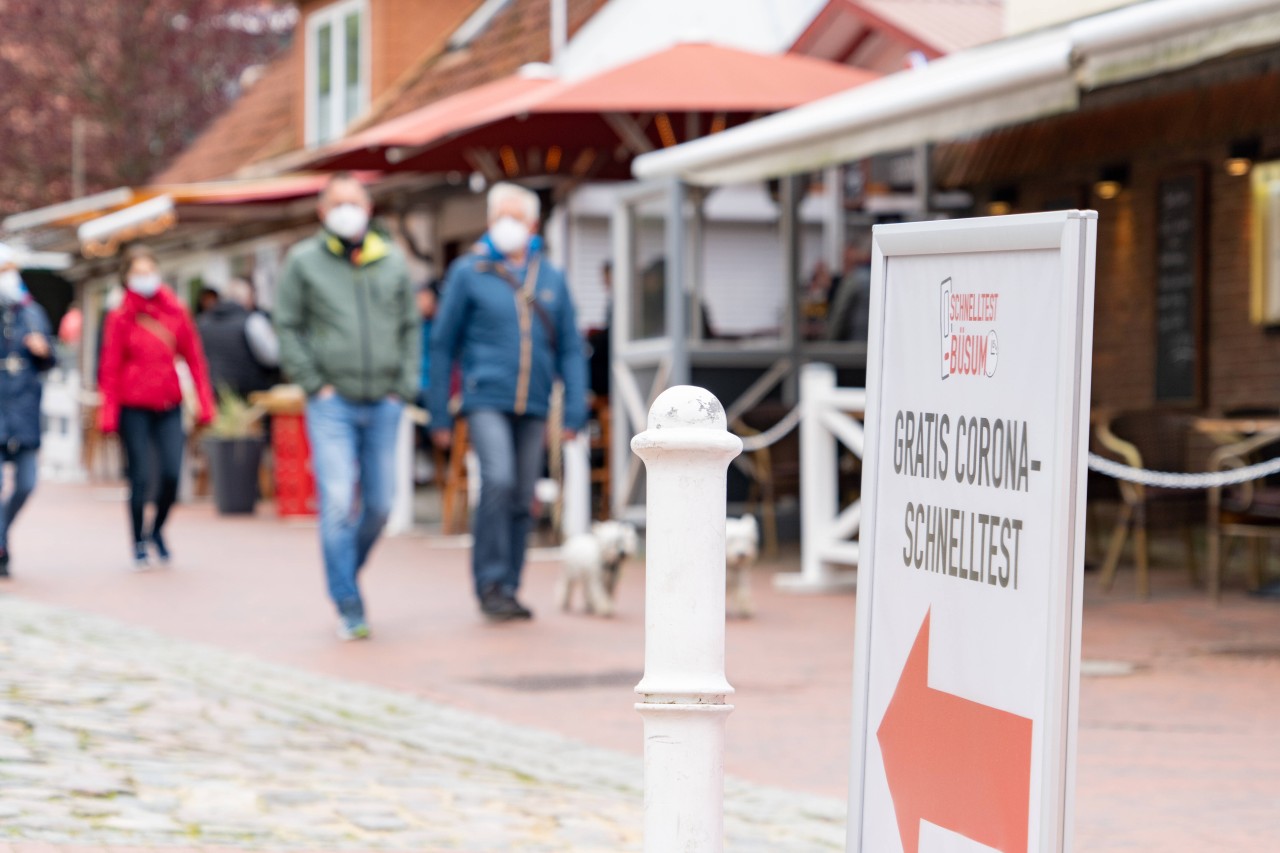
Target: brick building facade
{"points": [[1148, 132]]}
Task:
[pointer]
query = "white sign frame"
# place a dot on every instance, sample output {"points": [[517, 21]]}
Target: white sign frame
{"points": [[1073, 235]]}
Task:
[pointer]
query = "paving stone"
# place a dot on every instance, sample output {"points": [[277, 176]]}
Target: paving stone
{"points": [[164, 744]]}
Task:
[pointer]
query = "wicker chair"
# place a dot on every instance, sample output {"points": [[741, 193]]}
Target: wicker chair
{"points": [[1250, 510], [1153, 440]]}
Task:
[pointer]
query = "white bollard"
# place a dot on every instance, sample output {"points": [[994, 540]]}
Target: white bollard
{"points": [[686, 450]]}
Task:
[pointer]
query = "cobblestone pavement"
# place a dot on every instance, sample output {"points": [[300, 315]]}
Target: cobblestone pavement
{"points": [[112, 735]]}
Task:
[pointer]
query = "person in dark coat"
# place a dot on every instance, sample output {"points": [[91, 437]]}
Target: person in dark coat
{"points": [[25, 353], [239, 344]]}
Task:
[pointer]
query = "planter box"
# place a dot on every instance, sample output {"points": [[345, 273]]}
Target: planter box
{"points": [[233, 467]]}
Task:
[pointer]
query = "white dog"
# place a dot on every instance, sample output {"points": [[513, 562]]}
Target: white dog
{"points": [[592, 560], [741, 547]]}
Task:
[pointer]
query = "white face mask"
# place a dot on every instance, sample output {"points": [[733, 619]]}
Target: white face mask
{"points": [[10, 286], [510, 236], [144, 285], [348, 221]]}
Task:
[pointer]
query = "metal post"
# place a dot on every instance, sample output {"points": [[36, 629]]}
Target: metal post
{"points": [[676, 295], [922, 166], [686, 450], [790, 193], [833, 216], [77, 157]]}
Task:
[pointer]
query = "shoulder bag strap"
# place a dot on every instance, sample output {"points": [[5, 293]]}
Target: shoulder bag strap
{"points": [[528, 292], [155, 327]]}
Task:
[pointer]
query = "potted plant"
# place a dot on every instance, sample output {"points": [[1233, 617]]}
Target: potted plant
{"points": [[233, 445]]}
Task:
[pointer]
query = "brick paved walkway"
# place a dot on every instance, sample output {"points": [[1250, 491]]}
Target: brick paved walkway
{"points": [[1180, 752], [113, 735]]}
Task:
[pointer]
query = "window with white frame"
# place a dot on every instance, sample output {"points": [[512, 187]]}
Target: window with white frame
{"points": [[337, 68]]}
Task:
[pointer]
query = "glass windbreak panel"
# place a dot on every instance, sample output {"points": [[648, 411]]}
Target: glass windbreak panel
{"points": [[324, 83], [649, 277], [743, 292], [352, 105]]}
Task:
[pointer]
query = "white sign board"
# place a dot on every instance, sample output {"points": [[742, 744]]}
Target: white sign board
{"points": [[969, 590]]}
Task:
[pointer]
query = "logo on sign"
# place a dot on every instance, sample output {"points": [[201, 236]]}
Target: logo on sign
{"points": [[969, 344]]}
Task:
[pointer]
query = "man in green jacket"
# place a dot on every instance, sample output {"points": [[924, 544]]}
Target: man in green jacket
{"points": [[348, 326]]}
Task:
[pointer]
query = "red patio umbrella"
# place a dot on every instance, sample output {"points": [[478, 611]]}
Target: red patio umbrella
{"points": [[518, 126]]}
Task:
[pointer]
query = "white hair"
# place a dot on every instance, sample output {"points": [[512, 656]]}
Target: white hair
{"points": [[500, 194], [239, 290]]}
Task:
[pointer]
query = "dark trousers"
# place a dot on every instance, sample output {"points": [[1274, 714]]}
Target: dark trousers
{"points": [[153, 443], [24, 482], [510, 449]]}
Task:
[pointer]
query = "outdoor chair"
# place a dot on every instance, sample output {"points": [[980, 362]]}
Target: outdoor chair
{"points": [[601, 464], [1249, 510], [454, 506], [1155, 440]]}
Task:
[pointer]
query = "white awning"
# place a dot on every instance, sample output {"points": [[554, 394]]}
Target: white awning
{"points": [[972, 91], [101, 237]]}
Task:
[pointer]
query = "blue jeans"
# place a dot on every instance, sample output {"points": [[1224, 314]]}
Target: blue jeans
{"points": [[24, 483], [353, 446], [510, 449]]}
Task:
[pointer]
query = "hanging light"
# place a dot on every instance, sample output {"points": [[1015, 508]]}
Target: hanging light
{"points": [[1241, 156], [1111, 181], [1003, 200]]}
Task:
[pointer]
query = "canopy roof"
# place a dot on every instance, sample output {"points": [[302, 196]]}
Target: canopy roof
{"points": [[976, 90]]}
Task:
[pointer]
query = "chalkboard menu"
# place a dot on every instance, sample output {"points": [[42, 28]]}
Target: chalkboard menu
{"points": [[1179, 254]]}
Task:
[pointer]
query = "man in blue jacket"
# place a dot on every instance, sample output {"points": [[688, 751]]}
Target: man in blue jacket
{"points": [[507, 318], [25, 353]]}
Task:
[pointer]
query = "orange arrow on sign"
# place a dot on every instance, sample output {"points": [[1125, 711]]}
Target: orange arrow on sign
{"points": [[958, 764]]}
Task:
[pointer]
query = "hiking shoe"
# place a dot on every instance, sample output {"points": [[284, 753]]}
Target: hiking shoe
{"points": [[162, 550], [141, 559], [498, 606], [521, 611], [4, 563], [353, 628]]}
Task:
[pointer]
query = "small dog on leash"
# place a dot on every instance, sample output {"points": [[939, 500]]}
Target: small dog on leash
{"points": [[592, 561], [741, 547]]}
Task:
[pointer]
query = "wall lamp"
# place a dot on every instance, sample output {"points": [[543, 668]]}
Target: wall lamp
{"points": [[1111, 180], [1003, 200], [1241, 156]]}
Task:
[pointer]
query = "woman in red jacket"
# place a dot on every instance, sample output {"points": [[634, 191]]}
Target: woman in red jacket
{"points": [[141, 395]]}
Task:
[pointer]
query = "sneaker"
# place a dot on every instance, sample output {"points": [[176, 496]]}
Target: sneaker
{"points": [[353, 628], [4, 562], [498, 606], [141, 559], [162, 550]]}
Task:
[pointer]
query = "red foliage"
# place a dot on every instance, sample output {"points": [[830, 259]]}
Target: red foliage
{"points": [[143, 76]]}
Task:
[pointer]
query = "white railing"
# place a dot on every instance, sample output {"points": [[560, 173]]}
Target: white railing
{"points": [[61, 440], [827, 533]]}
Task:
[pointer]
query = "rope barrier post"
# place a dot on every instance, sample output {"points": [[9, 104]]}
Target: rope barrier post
{"points": [[819, 488], [686, 451]]}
